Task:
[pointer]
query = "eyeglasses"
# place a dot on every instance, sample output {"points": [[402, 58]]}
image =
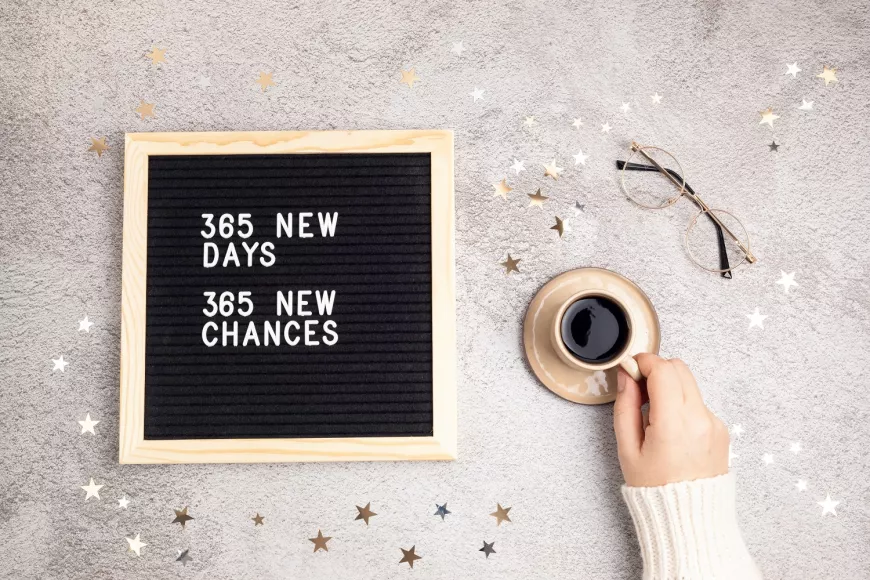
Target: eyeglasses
{"points": [[651, 187]]}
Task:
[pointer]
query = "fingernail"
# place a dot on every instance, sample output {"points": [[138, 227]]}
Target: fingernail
{"points": [[620, 381]]}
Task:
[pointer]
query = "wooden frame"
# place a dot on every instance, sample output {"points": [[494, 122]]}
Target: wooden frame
{"points": [[133, 448]]}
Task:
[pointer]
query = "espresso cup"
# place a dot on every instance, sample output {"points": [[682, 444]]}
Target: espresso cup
{"points": [[592, 331]]}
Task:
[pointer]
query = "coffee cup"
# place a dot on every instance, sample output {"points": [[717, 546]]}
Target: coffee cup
{"points": [[592, 331]]}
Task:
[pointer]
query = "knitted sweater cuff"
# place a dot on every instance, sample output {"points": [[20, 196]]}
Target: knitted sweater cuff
{"points": [[688, 531]]}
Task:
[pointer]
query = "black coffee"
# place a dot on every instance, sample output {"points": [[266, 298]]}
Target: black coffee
{"points": [[595, 329]]}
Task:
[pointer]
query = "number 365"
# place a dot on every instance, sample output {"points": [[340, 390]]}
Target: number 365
{"points": [[225, 226], [226, 304]]}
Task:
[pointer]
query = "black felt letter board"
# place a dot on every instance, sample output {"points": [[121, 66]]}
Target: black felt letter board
{"points": [[374, 380]]}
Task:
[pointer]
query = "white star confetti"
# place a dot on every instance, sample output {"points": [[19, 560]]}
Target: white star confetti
{"points": [[737, 430], [476, 94], [580, 158], [801, 485], [829, 506], [806, 105], [123, 502], [605, 128], [656, 98], [518, 166], [793, 70], [204, 82], [767, 458], [88, 425], [136, 545], [578, 122], [756, 319], [796, 447], [92, 489], [59, 364], [768, 117], [529, 121], [551, 169], [457, 48], [625, 107], [787, 280], [85, 325]]}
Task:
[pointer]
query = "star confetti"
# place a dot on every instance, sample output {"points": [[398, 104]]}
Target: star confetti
{"points": [[795, 447], [502, 188], [829, 506], [801, 485], [559, 227], [59, 364], [774, 146], [441, 511], [320, 541], [806, 105], [157, 55], [737, 430], [92, 489], [457, 48], [365, 513], [829, 75], [409, 77], [578, 122], [787, 280], [136, 545], [551, 169], [756, 319], [204, 82], [487, 548], [265, 81], [656, 98], [518, 166], [123, 502], [768, 117], [409, 556], [578, 208], [625, 107], [510, 265], [767, 458], [99, 146], [536, 199], [580, 158], [793, 70], [476, 94], [145, 110], [501, 514], [184, 557], [88, 425], [258, 519], [181, 517], [605, 128], [85, 325], [529, 121]]}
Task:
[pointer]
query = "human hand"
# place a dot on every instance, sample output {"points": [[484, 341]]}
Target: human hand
{"points": [[683, 441]]}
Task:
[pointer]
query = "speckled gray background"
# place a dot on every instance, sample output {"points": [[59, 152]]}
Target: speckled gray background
{"points": [[72, 70]]}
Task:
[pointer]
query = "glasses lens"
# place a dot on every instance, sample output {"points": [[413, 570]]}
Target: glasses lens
{"points": [[703, 240], [646, 185]]}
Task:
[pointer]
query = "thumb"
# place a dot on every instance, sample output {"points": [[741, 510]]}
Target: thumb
{"points": [[627, 418]]}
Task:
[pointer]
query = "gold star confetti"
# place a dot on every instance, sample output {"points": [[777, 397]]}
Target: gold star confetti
{"points": [[502, 188], [98, 145], [536, 199], [157, 55], [551, 170], [320, 541], [501, 514], [409, 556], [829, 75], [409, 77], [265, 81], [145, 110], [559, 227], [365, 513], [768, 117], [510, 265], [258, 519], [181, 517]]}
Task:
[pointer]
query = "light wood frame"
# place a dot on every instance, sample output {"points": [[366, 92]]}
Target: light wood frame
{"points": [[134, 448]]}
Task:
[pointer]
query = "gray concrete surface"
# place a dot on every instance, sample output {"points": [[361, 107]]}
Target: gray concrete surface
{"points": [[73, 70]]}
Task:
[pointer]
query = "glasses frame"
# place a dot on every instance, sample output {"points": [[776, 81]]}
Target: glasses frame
{"points": [[725, 268]]}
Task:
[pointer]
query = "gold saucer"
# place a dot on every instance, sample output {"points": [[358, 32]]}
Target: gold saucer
{"points": [[590, 388]]}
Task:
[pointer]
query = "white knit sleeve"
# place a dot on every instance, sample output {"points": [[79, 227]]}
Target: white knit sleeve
{"points": [[688, 531]]}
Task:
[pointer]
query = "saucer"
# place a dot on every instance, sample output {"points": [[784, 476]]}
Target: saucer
{"points": [[590, 388]]}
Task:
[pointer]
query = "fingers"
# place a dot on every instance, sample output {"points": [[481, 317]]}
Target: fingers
{"points": [[691, 393], [663, 384], [627, 418]]}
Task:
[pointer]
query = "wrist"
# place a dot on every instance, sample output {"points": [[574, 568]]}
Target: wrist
{"points": [[689, 530]]}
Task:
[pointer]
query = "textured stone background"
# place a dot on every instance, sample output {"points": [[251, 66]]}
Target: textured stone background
{"points": [[74, 69]]}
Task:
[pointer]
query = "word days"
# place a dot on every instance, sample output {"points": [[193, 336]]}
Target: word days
{"points": [[295, 309]]}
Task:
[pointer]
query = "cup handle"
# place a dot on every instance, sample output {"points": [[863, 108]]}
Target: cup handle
{"points": [[629, 365]]}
